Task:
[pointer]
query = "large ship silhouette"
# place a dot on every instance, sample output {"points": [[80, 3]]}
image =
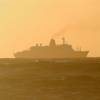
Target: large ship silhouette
{"points": [[52, 51]]}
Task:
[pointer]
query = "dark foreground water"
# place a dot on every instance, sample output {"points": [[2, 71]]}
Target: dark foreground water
{"points": [[28, 80]]}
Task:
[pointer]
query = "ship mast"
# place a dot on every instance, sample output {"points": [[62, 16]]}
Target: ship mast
{"points": [[64, 41]]}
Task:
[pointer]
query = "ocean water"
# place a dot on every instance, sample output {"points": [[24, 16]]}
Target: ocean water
{"points": [[29, 80]]}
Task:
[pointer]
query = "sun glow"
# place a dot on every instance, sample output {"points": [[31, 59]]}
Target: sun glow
{"points": [[23, 23]]}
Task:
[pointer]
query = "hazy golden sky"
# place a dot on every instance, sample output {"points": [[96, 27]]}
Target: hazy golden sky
{"points": [[25, 22]]}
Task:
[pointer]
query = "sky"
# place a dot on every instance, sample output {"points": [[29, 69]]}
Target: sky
{"points": [[23, 23]]}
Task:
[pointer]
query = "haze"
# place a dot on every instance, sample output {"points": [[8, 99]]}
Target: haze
{"points": [[25, 22]]}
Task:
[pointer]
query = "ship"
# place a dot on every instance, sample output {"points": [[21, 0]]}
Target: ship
{"points": [[51, 51]]}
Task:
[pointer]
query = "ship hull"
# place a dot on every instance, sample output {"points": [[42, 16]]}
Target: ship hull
{"points": [[56, 55]]}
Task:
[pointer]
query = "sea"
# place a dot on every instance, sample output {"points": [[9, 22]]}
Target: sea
{"points": [[50, 79]]}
